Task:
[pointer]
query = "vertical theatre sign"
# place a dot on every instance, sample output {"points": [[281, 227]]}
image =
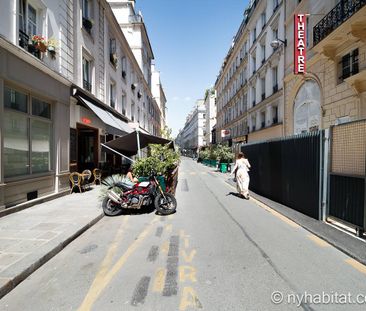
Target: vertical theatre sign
{"points": [[300, 44]]}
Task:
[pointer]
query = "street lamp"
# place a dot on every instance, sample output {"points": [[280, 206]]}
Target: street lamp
{"points": [[275, 43]]}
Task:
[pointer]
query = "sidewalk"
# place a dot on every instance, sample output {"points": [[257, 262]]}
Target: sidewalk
{"points": [[31, 237], [345, 242]]}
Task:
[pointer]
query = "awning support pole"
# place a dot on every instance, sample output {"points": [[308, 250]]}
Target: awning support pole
{"points": [[122, 155], [138, 142]]}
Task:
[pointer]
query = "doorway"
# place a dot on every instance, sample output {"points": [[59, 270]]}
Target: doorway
{"points": [[87, 147]]}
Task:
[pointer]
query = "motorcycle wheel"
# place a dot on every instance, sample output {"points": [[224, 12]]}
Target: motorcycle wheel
{"points": [[110, 208], [167, 205]]}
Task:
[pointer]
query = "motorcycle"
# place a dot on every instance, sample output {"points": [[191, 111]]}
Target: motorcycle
{"points": [[138, 195]]}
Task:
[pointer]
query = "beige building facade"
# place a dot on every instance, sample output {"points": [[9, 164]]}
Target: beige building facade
{"points": [[332, 91]]}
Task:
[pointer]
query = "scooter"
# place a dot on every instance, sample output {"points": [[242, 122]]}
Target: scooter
{"points": [[122, 196]]}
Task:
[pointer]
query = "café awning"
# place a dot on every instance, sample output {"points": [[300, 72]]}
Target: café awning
{"points": [[113, 124], [131, 143]]}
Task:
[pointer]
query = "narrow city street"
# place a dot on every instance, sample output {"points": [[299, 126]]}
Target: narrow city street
{"points": [[218, 252]]}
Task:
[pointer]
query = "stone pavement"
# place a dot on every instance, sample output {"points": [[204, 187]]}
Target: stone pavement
{"points": [[31, 237]]}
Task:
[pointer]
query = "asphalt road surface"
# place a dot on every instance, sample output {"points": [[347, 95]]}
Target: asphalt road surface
{"points": [[218, 252]]}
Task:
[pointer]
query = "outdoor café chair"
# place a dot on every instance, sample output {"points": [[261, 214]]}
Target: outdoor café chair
{"points": [[97, 176], [75, 179], [86, 175]]}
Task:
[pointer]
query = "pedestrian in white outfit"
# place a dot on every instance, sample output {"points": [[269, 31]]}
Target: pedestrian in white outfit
{"points": [[241, 169]]}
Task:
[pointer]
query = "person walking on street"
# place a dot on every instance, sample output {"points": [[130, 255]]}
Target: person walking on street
{"points": [[240, 170]]}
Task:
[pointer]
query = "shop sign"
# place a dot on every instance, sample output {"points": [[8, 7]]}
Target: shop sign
{"points": [[225, 133], [86, 120], [300, 43]]}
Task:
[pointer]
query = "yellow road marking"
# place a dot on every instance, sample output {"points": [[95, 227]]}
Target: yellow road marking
{"points": [[187, 272], [189, 299], [318, 240], [159, 281], [165, 247], [188, 258], [110, 254], [169, 228], [103, 280], [357, 265]]}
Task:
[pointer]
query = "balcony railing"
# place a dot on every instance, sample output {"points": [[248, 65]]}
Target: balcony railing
{"points": [[275, 120], [253, 103], [135, 19], [23, 39], [263, 96], [336, 17], [275, 88], [87, 85]]}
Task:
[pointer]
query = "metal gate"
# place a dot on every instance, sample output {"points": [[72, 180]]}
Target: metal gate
{"points": [[288, 171], [346, 195]]}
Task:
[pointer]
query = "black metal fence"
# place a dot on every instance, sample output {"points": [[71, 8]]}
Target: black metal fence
{"points": [[347, 199], [288, 171]]}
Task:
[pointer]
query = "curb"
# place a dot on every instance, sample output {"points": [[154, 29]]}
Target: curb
{"points": [[324, 237], [12, 283], [22, 206]]}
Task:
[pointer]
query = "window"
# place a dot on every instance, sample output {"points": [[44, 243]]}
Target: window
{"points": [[275, 79], [86, 9], [138, 114], [27, 134], [275, 114], [254, 34], [124, 67], [86, 74], [22, 16], [132, 111], [263, 119], [349, 65], [123, 104], [263, 50], [263, 88], [32, 20], [263, 18], [112, 94], [275, 5], [113, 52], [254, 96]]}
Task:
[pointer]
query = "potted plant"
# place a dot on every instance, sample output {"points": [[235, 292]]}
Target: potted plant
{"points": [[224, 156], [88, 24], [51, 47], [40, 43], [113, 58]]}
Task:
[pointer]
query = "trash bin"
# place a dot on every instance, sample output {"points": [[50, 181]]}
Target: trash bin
{"points": [[223, 167]]}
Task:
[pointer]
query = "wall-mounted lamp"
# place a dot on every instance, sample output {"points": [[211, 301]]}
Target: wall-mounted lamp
{"points": [[276, 43]]}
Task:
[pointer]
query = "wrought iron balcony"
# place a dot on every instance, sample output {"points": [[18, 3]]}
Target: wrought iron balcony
{"points": [[135, 19], [253, 103], [263, 96], [87, 85], [275, 88], [336, 17], [23, 39]]}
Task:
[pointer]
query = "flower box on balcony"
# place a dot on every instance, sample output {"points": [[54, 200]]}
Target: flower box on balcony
{"points": [[87, 24]]}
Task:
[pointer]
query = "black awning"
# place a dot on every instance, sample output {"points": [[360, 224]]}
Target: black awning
{"points": [[128, 144]]}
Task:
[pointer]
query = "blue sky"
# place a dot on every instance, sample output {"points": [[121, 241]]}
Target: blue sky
{"points": [[190, 39]]}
